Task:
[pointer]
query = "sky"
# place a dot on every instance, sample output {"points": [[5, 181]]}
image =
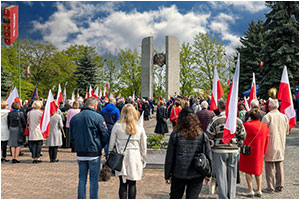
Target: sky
{"points": [[112, 25]]}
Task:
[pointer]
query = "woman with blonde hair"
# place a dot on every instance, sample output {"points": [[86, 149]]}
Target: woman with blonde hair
{"points": [[4, 130], [135, 153], [35, 137]]}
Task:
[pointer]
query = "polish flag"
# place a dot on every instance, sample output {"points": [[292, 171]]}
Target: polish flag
{"points": [[96, 93], [141, 120], [13, 96], [59, 97], [284, 94], [107, 86], [28, 70], [231, 106], [73, 96], [261, 63], [50, 108], [90, 91], [100, 95], [65, 95], [111, 95], [217, 91], [246, 104], [105, 93], [253, 90]]}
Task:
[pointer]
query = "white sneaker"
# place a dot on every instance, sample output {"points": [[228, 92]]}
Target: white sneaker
{"points": [[258, 193], [212, 186], [248, 194]]}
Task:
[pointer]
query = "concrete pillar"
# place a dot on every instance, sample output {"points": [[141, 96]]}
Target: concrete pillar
{"points": [[172, 66], [147, 67]]}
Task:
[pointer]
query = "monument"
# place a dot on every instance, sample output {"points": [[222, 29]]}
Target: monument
{"points": [[172, 66]]}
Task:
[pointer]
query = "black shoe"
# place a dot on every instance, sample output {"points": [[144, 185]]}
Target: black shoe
{"points": [[278, 189], [55, 160], [21, 154], [4, 160], [39, 161], [14, 161], [17, 161], [268, 191], [34, 161], [41, 154]]}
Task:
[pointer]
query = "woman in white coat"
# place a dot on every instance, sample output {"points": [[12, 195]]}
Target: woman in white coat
{"points": [[4, 130], [135, 152], [55, 136]]}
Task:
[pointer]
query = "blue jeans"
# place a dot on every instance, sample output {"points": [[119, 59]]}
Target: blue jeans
{"points": [[84, 167]]}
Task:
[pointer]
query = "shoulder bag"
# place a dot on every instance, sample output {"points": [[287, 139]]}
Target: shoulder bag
{"points": [[115, 159], [246, 149], [201, 163]]}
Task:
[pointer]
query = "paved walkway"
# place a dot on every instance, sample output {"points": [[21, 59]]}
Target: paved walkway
{"points": [[59, 180]]}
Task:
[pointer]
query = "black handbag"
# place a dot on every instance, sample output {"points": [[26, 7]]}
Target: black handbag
{"points": [[201, 163], [246, 149], [115, 159]]}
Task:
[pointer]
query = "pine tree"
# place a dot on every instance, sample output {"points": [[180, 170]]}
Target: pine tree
{"points": [[86, 72], [5, 82], [251, 55], [282, 45]]}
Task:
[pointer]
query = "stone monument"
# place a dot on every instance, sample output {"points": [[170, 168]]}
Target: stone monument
{"points": [[172, 66]]}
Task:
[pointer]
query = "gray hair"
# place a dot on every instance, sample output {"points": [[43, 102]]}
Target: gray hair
{"points": [[204, 104], [91, 101], [273, 103], [222, 104], [254, 103], [112, 100], [68, 102]]}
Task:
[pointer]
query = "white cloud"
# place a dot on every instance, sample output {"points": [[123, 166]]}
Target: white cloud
{"points": [[118, 29], [220, 25], [251, 6]]}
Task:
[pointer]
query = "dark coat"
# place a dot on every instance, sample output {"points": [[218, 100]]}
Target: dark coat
{"points": [[88, 132], [204, 117], [161, 118], [146, 109], [111, 115], [180, 154]]}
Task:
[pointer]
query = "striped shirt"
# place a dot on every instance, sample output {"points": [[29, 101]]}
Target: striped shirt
{"points": [[215, 130]]}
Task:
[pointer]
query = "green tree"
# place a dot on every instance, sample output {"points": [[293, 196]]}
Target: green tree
{"points": [[130, 72], [111, 73], [282, 44], [86, 72], [188, 70], [251, 55], [5, 82], [208, 54]]}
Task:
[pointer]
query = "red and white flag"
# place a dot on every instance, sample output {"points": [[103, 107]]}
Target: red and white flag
{"points": [[65, 95], [111, 95], [28, 70], [59, 97], [90, 91], [217, 91], [100, 95], [284, 94], [253, 90], [13, 96], [141, 120], [50, 108], [96, 93], [73, 97], [246, 104], [105, 93], [107, 86], [231, 106]]}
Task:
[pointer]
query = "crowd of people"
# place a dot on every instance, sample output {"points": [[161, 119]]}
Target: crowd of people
{"points": [[95, 124]]}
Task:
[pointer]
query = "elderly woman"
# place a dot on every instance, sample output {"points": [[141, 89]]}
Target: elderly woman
{"points": [[135, 152], [16, 124], [4, 130], [55, 136], [258, 139], [35, 134]]}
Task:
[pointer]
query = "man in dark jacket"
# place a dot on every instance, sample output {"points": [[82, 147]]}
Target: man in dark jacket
{"points": [[89, 135], [111, 115], [204, 115]]}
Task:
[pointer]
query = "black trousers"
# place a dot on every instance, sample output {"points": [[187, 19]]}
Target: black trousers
{"points": [[4, 148], [193, 188], [53, 152], [130, 186], [36, 147]]}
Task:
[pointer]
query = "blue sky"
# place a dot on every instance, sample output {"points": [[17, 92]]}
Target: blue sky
{"points": [[110, 25]]}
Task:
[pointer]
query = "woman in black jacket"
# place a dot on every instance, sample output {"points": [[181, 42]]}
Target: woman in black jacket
{"points": [[185, 141], [161, 118], [16, 124]]}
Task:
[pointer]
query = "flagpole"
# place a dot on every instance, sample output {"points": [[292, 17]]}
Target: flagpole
{"points": [[19, 70]]}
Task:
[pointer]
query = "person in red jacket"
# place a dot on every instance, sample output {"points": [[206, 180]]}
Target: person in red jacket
{"points": [[175, 113], [258, 139]]}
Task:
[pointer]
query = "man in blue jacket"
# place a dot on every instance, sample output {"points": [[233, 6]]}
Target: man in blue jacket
{"points": [[89, 135], [111, 115]]}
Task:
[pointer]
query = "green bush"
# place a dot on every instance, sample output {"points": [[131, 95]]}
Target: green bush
{"points": [[156, 142]]}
